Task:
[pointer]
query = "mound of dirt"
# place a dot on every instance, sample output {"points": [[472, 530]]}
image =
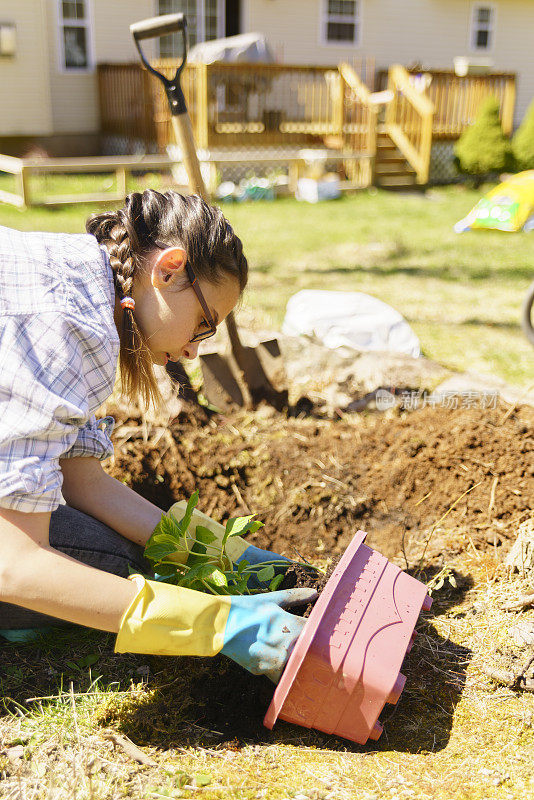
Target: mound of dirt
{"points": [[315, 483]]}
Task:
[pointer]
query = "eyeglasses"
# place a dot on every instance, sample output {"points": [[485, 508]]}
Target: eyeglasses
{"points": [[208, 319]]}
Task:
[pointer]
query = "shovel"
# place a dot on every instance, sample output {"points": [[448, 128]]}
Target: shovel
{"points": [[241, 378]]}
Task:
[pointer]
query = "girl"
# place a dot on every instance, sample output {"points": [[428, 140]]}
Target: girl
{"points": [[145, 285]]}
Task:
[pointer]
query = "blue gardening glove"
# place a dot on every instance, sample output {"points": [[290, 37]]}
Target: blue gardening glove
{"points": [[256, 556], [259, 635]]}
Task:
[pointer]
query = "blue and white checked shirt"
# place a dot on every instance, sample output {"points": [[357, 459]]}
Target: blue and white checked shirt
{"points": [[58, 356]]}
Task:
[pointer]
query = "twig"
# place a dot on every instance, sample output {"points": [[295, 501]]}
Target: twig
{"points": [[423, 498], [239, 497], [438, 522], [129, 748], [63, 697], [492, 496], [525, 601], [515, 405], [513, 680], [73, 704]]}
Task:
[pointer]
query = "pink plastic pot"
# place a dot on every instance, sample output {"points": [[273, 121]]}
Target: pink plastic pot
{"points": [[346, 663]]}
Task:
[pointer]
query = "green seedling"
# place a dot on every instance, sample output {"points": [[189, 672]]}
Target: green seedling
{"points": [[202, 563]]}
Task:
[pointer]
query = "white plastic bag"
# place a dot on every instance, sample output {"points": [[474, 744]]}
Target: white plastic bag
{"points": [[349, 319], [312, 190]]}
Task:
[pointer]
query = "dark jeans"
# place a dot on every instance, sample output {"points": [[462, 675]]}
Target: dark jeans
{"points": [[85, 539]]}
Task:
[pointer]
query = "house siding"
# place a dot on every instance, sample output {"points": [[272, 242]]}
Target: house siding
{"points": [[432, 32], [74, 96], [24, 89]]}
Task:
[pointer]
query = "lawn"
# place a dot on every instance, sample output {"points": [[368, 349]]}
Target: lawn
{"points": [[461, 293], [69, 701]]}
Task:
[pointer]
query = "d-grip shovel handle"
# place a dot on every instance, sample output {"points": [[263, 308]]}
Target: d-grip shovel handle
{"points": [[161, 26]]}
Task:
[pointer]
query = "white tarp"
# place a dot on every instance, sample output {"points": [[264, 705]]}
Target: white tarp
{"points": [[246, 47], [349, 319]]}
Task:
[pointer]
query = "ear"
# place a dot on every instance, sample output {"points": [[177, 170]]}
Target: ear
{"points": [[168, 267]]}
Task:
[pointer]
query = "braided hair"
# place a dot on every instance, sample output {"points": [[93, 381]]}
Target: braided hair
{"points": [[129, 235]]}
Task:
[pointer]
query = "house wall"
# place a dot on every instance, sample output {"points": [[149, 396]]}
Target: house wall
{"points": [[432, 32], [74, 96], [24, 88]]}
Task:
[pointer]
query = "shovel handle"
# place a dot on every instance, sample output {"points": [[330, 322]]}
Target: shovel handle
{"points": [[157, 26], [161, 26]]}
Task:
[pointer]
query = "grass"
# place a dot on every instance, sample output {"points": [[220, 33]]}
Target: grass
{"points": [[461, 293], [454, 735]]}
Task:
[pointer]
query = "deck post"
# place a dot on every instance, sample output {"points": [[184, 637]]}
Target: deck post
{"points": [[23, 186], [508, 106], [202, 137], [120, 174]]}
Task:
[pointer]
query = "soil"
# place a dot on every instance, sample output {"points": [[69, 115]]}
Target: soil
{"points": [[299, 576], [314, 483], [426, 485]]}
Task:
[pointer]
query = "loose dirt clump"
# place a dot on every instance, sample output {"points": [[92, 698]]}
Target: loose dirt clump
{"points": [[315, 483]]}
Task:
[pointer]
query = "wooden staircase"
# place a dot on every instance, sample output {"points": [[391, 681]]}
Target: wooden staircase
{"points": [[392, 171]]}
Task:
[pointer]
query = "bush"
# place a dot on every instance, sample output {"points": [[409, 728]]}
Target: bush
{"points": [[483, 148], [523, 142]]}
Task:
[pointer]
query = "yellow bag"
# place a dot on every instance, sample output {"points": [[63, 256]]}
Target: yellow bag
{"points": [[507, 207]]}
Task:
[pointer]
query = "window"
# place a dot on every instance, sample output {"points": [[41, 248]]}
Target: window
{"points": [[205, 20], [482, 26], [75, 35], [342, 21]]}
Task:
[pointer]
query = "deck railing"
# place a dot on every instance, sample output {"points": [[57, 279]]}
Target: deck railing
{"points": [[457, 98], [359, 120], [248, 105], [409, 121], [253, 106]]}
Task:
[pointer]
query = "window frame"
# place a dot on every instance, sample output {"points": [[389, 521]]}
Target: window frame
{"points": [[88, 24], [475, 27], [200, 15], [325, 18]]}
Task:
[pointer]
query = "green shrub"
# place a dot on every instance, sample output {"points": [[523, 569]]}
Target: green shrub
{"points": [[523, 142], [483, 148]]}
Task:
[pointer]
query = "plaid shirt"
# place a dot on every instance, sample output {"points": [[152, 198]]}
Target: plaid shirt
{"points": [[58, 356]]}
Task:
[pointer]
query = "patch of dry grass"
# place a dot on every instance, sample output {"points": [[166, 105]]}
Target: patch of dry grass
{"points": [[454, 735]]}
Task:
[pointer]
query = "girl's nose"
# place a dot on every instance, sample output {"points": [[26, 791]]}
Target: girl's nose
{"points": [[190, 350]]}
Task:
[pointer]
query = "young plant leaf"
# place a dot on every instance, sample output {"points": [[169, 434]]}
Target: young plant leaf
{"points": [[165, 527], [157, 552], [275, 583], [238, 526], [242, 566], [213, 574], [266, 574], [204, 535], [186, 519]]}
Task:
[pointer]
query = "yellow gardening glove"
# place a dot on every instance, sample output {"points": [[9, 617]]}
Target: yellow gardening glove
{"points": [[235, 545], [168, 620], [255, 631]]}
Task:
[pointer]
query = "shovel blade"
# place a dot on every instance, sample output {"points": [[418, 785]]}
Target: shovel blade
{"points": [[220, 386]]}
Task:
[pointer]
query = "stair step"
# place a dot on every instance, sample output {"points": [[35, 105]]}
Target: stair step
{"points": [[390, 149], [396, 181], [399, 168], [395, 159]]}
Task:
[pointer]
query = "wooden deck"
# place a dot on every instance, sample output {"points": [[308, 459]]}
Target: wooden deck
{"points": [[256, 105], [239, 111]]}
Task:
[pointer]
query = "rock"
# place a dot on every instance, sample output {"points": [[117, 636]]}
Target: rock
{"points": [[484, 384], [521, 556], [523, 633]]}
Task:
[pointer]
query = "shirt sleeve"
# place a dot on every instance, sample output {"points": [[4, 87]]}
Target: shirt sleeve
{"points": [[44, 362], [93, 439]]}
